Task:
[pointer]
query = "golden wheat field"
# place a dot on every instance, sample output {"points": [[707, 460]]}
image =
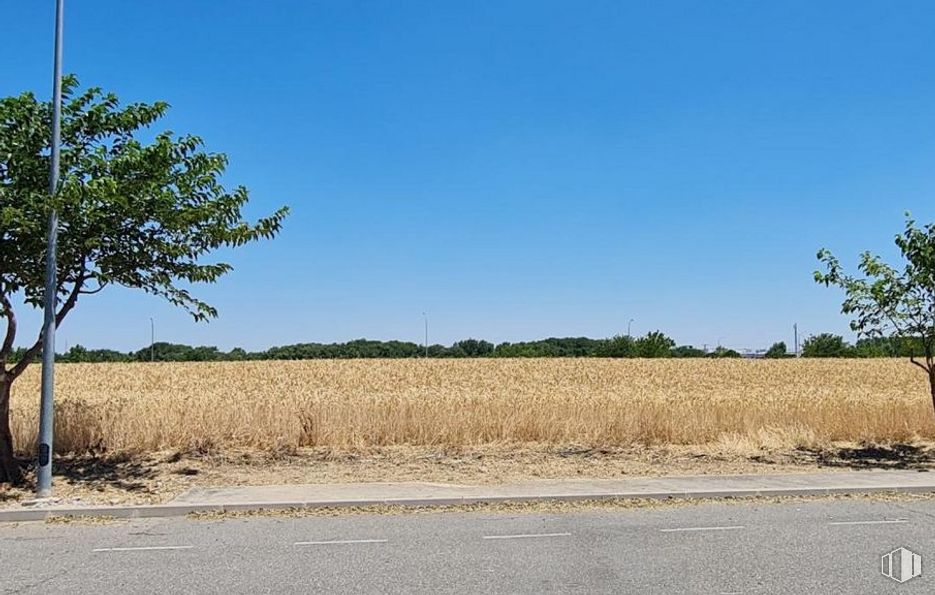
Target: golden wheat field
{"points": [[455, 403]]}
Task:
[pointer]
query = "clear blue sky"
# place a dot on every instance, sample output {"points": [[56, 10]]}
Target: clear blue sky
{"points": [[521, 169]]}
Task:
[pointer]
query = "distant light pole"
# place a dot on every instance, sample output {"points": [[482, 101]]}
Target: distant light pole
{"points": [[152, 339], [795, 335], [426, 317], [46, 408], [628, 327]]}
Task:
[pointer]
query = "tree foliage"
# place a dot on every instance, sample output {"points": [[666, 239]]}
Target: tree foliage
{"points": [[688, 351], [889, 347], [620, 346], [889, 302], [724, 352], [551, 347], [472, 348], [617, 346], [777, 350], [654, 344], [142, 214], [826, 345]]}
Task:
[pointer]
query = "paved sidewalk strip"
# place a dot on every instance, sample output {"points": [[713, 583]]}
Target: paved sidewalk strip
{"points": [[245, 498]]}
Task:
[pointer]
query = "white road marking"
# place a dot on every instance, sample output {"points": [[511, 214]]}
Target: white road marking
{"points": [[143, 549], [527, 535], [884, 522], [340, 542], [726, 528]]}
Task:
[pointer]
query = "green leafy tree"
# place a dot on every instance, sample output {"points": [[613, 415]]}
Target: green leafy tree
{"points": [[826, 345], [688, 351], [437, 350], [867, 348], [80, 354], [889, 347], [551, 347], [777, 350], [472, 348], [654, 344], [885, 301], [724, 352], [617, 346], [237, 354], [142, 214]]}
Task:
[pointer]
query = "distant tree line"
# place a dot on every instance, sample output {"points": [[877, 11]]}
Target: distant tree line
{"points": [[830, 345], [651, 345]]}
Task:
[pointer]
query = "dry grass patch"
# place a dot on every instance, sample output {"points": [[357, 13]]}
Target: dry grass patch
{"points": [[158, 477], [558, 507], [359, 404]]}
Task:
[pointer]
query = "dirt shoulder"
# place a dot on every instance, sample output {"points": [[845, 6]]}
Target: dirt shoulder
{"points": [[159, 477]]}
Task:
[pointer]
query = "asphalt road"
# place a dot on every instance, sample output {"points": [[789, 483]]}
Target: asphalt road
{"points": [[813, 547]]}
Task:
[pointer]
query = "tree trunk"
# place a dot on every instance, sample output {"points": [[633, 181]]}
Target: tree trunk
{"points": [[932, 385], [9, 468]]}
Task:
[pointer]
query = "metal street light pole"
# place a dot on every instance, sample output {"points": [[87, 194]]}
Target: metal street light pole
{"points": [[152, 339], [426, 317], [44, 471]]}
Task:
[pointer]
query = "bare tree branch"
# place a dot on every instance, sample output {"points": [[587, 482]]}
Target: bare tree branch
{"points": [[912, 359], [36, 347], [29, 355], [7, 347], [101, 285]]}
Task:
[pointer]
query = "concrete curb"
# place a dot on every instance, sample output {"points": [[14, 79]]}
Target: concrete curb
{"points": [[179, 510]]}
